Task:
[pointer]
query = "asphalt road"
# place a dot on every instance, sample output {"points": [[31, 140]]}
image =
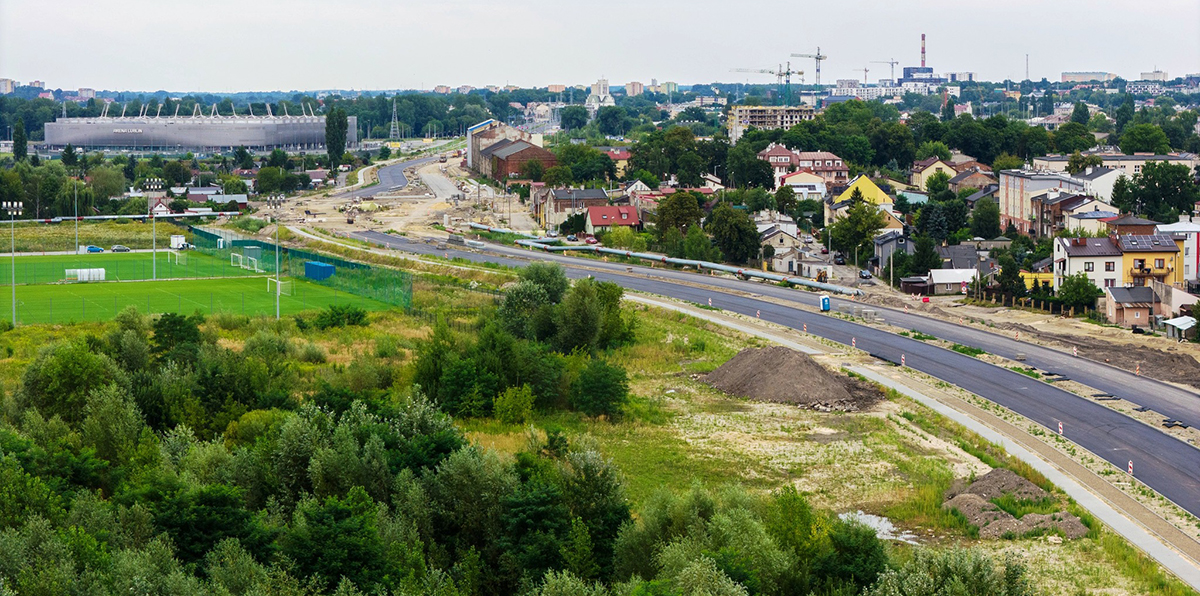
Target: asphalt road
{"points": [[1166, 464], [390, 178]]}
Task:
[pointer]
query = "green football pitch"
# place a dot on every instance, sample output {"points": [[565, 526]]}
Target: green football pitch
{"points": [[94, 301], [128, 266]]}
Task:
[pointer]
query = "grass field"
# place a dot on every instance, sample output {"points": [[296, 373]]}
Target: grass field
{"points": [[129, 266], [64, 303], [40, 237]]}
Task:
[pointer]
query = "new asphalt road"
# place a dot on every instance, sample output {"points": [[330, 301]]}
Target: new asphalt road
{"points": [[1166, 464], [390, 178]]}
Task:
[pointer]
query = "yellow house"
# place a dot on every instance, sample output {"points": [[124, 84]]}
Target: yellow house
{"points": [[922, 170], [1149, 258], [871, 193], [1035, 279]]}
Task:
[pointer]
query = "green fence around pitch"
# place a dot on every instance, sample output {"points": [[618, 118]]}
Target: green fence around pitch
{"points": [[97, 301], [129, 266]]}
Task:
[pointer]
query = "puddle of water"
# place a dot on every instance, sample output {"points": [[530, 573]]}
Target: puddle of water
{"points": [[884, 528]]}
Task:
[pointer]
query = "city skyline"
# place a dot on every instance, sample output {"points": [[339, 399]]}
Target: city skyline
{"points": [[375, 45]]}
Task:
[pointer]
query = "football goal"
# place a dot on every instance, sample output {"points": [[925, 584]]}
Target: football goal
{"points": [[176, 257], [248, 263], [284, 286]]}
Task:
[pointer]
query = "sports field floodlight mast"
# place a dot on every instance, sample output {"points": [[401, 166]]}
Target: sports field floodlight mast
{"points": [[14, 209]]}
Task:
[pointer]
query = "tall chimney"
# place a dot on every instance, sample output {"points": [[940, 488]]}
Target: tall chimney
{"points": [[922, 49]]}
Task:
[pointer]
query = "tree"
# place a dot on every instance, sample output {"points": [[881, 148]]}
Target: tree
{"points": [[747, 170], [337, 538], [278, 158], [924, 257], [698, 247], [533, 170], [578, 319], [1161, 191], [62, 376], [131, 169], [610, 120], [176, 173], [1077, 291], [856, 231], [936, 573], [985, 219], [269, 180], [1073, 136], [385, 152], [20, 143], [734, 233], [937, 183], [1005, 161], [1145, 138], [600, 389], [1078, 162], [550, 277], [1081, 115], [936, 149], [69, 158], [679, 211], [785, 199], [1124, 113], [243, 158], [948, 110], [558, 176], [107, 182], [1010, 280], [573, 117], [336, 127]]}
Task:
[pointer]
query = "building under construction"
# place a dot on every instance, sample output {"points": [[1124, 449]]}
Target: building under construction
{"points": [[197, 133]]}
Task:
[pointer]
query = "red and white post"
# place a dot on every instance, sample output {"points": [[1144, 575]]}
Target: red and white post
{"points": [[902, 360], [854, 343], [1131, 467], [1060, 427]]}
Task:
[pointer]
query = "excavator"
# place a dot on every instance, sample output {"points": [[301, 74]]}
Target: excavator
{"points": [[822, 276]]}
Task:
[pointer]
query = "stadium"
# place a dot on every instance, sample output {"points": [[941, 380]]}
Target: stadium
{"points": [[199, 134]]}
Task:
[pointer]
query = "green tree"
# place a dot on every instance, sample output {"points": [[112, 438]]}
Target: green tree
{"points": [[69, 158], [550, 277], [679, 211], [558, 176], [610, 120], [1007, 162], [733, 232], [600, 389], [573, 117], [578, 319], [936, 149], [243, 158], [337, 538], [785, 200], [269, 180], [985, 219], [59, 380], [198, 518], [1145, 138], [924, 257], [20, 143], [577, 554], [937, 183], [1081, 115], [1072, 136], [278, 159], [533, 170], [336, 127], [514, 405], [1079, 162], [936, 573], [176, 173], [857, 229], [130, 170], [1124, 113], [107, 182], [697, 246], [1010, 280], [1100, 123], [385, 152]]}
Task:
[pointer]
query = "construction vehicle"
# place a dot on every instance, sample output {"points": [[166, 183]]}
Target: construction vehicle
{"points": [[822, 276]]}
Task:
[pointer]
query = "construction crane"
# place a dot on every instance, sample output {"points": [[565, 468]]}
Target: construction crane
{"points": [[783, 77], [893, 62], [818, 57], [865, 70]]}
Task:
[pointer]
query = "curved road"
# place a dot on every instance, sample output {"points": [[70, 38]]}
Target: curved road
{"points": [[390, 178], [1166, 464]]}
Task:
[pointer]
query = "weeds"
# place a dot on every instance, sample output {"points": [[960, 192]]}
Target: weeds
{"points": [[968, 350]]}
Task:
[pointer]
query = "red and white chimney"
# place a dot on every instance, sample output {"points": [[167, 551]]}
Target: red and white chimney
{"points": [[922, 49]]}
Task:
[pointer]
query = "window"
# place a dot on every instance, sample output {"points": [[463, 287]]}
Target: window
{"points": [[1110, 265], [1110, 283], [1089, 266], [1159, 264], [1137, 314]]}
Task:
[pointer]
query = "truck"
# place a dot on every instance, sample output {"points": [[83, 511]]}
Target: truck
{"points": [[179, 242]]}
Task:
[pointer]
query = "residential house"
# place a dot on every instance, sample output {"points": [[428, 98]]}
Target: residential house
{"points": [[1052, 207], [1040, 274], [1131, 224], [1090, 223], [778, 238], [972, 178], [951, 281], [159, 207], [552, 206], [1127, 164], [1131, 306], [712, 182], [805, 183], [1017, 188], [603, 218], [487, 133], [887, 244], [1098, 182], [620, 157], [787, 260], [1099, 258], [831, 168], [743, 118], [962, 163], [987, 193], [782, 160], [924, 168], [1191, 247], [870, 191], [1149, 258], [967, 256]]}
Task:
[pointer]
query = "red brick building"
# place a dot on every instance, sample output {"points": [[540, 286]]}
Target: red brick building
{"points": [[508, 160]]}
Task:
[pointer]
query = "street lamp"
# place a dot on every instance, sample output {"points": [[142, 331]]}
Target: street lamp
{"points": [[13, 208]]}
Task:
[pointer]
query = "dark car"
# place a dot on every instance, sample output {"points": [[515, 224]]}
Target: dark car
{"points": [[839, 260], [120, 248], [864, 274], [572, 238]]}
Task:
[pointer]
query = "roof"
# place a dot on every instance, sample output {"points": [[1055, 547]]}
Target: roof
{"points": [[775, 228], [494, 147], [515, 148], [1122, 157], [888, 236], [1090, 247], [987, 191], [921, 164], [567, 194], [1141, 296], [1181, 227], [1181, 323], [1132, 220], [1144, 243], [618, 154], [612, 215], [952, 276], [1097, 214], [968, 173], [1094, 173]]}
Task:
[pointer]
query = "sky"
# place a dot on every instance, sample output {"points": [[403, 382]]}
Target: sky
{"points": [[223, 46]]}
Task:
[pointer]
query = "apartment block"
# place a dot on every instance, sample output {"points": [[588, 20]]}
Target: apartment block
{"points": [[742, 118]]}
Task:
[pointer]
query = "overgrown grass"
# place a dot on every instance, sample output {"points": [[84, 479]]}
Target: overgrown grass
{"points": [[250, 225], [1033, 374], [917, 335], [968, 350], [1018, 508]]}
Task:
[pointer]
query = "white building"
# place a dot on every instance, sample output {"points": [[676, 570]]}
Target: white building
{"points": [[1099, 258], [1155, 75], [599, 97], [1191, 246], [1098, 182], [1144, 88]]}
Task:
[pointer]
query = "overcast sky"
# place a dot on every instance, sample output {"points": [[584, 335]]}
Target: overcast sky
{"points": [[264, 45]]}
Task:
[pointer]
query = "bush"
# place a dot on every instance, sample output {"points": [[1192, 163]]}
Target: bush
{"points": [[341, 316], [386, 347], [515, 405], [268, 346], [600, 389], [229, 321]]}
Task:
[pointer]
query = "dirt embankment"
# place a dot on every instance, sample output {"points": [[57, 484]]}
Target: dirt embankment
{"points": [[782, 375], [975, 502]]}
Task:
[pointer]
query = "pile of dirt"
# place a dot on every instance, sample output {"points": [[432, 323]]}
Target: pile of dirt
{"points": [[975, 503], [782, 375]]}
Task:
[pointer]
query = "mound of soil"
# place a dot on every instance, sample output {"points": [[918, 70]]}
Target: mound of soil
{"points": [[975, 503], [782, 375]]}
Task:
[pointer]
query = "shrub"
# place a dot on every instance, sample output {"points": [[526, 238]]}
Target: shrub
{"points": [[268, 346], [386, 347], [515, 405], [312, 353], [229, 321], [600, 388], [340, 315]]}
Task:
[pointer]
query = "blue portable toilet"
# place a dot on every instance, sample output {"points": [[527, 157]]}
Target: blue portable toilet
{"points": [[824, 303]]}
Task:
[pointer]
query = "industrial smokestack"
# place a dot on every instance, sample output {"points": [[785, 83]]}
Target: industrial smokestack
{"points": [[922, 49]]}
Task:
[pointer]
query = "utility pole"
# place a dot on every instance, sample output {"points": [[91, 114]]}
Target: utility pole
{"points": [[13, 208], [277, 260]]}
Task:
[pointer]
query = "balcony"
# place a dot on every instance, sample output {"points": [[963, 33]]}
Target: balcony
{"points": [[1150, 271]]}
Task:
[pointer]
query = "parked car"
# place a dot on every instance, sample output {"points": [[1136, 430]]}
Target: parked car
{"points": [[572, 238], [120, 248], [839, 260], [552, 234], [93, 248], [864, 274], [592, 240], [824, 250]]}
